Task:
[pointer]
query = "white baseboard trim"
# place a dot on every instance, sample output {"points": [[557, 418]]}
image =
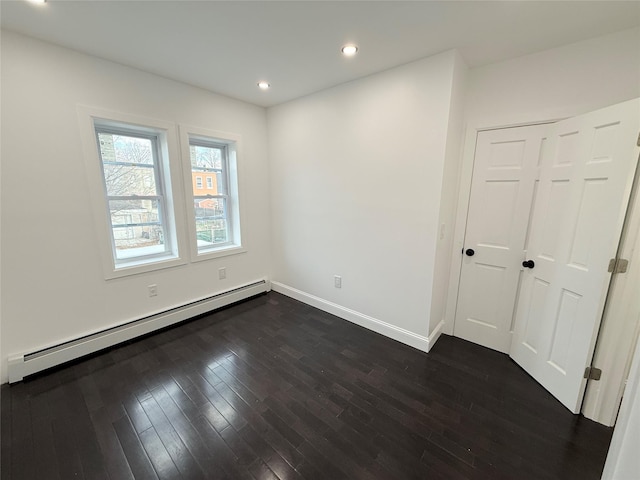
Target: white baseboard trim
{"points": [[28, 363], [435, 335], [400, 334]]}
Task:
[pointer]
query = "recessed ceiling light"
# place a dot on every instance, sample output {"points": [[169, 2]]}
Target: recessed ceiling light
{"points": [[37, 2], [349, 50], [264, 85]]}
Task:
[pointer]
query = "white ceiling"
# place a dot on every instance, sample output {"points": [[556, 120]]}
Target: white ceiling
{"points": [[227, 47]]}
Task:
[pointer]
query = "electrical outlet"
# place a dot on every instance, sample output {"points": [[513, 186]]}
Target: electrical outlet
{"points": [[337, 281], [153, 290], [222, 273]]}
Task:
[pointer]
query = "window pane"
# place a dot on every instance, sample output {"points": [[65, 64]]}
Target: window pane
{"points": [[126, 149], [134, 211], [220, 185], [211, 221], [209, 163], [139, 213], [205, 157], [125, 180], [213, 185], [136, 226], [128, 251]]}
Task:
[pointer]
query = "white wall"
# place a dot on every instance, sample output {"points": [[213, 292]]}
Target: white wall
{"points": [[53, 286], [356, 186], [556, 83], [2, 378]]}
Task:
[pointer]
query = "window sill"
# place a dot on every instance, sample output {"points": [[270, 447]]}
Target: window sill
{"points": [[218, 252], [144, 266]]}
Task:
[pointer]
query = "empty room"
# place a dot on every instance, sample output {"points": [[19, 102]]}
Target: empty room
{"points": [[319, 239]]}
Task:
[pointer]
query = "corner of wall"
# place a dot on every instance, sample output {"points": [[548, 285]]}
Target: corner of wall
{"points": [[440, 315], [370, 323]]}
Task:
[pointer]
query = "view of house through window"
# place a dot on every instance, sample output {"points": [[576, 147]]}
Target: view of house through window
{"points": [[210, 197], [134, 192], [144, 227]]}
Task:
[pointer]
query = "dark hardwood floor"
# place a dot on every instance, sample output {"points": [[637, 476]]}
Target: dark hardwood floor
{"points": [[271, 388]]}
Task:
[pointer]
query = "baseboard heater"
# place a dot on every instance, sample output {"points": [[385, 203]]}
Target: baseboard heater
{"points": [[23, 365]]}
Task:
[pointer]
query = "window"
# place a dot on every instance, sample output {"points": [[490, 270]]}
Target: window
{"points": [[211, 209], [141, 217], [135, 197], [215, 222], [128, 162]]}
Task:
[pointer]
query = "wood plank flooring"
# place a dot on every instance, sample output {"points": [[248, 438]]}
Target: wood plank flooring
{"points": [[271, 388]]}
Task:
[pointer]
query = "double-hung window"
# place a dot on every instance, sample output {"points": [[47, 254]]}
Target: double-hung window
{"points": [[134, 193], [209, 159], [214, 223], [137, 195]]}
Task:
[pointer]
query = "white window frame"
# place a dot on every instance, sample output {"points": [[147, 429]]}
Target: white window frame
{"points": [[169, 175], [232, 144], [199, 182], [209, 182]]}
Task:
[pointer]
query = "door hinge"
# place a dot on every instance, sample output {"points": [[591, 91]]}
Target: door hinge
{"points": [[592, 373], [618, 265], [638, 144]]}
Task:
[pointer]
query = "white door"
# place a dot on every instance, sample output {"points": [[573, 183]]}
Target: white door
{"points": [[585, 180], [503, 186]]}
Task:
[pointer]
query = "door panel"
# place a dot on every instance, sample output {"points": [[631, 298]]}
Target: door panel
{"points": [[503, 187], [538, 299], [501, 199], [553, 218], [585, 180]]}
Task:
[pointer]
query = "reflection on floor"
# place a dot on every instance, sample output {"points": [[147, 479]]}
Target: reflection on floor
{"points": [[272, 388]]}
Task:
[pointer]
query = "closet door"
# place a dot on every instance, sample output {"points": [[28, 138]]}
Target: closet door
{"points": [[503, 187], [585, 180]]}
